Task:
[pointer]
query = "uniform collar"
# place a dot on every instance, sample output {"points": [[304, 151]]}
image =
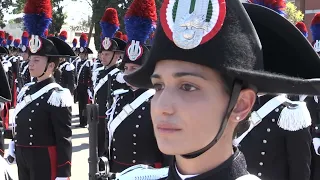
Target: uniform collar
{"points": [[233, 168]]}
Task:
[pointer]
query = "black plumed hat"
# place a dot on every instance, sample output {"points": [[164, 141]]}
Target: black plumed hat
{"points": [[64, 50], [220, 35]]}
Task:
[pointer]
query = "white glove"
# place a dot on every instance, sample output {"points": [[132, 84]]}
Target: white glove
{"points": [[89, 94], [11, 152], [62, 178], [316, 145]]}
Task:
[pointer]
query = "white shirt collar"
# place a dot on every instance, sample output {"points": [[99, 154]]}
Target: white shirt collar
{"points": [[183, 177]]}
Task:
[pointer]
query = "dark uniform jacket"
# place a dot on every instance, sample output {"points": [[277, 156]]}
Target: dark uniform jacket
{"points": [[231, 169], [64, 75], [273, 153], [314, 108], [103, 95], [45, 123], [84, 77], [24, 72], [133, 141]]}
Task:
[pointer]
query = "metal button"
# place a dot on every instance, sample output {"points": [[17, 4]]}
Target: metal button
{"points": [[30, 128], [261, 163], [264, 141], [268, 130], [277, 110], [116, 112], [139, 116], [15, 140], [134, 152], [111, 84], [143, 108], [134, 135], [134, 143], [263, 153], [32, 111], [113, 139], [30, 143], [259, 174], [137, 126], [273, 120], [118, 104], [121, 97], [114, 157], [15, 133], [316, 128], [134, 161], [42, 97], [37, 104], [31, 135], [114, 149], [16, 117], [29, 120]]}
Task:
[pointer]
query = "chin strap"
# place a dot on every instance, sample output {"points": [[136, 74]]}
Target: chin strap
{"points": [[111, 59], [236, 89], [45, 70]]}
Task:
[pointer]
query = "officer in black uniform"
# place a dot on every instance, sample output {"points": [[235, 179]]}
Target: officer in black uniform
{"points": [[42, 133], [5, 96], [314, 107], [84, 82], [131, 136], [279, 147], [110, 51], [24, 71], [188, 112], [64, 75]]}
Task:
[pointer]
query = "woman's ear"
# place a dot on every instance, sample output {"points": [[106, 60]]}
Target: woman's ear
{"points": [[244, 105]]}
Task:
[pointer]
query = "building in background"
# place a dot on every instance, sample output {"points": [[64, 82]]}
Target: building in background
{"points": [[309, 8]]}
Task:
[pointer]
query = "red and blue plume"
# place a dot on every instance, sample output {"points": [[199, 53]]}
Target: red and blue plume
{"points": [[25, 38], [124, 37], [276, 5], [109, 22], [83, 40], [4, 43], [9, 40], [63, 35], [303, 28], [74, 42], [16, 43], [118, 34], [37, 16], [2, 36], [315, 27], [46, 33], [139, 19]]}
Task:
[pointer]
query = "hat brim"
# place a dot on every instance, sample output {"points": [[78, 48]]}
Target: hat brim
{"points": [[5, 93], [291, 65], [63, 48]]}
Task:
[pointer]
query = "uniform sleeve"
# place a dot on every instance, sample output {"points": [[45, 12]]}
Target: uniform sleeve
{"points": [[298, 145], [61, 120], [71, 80]]}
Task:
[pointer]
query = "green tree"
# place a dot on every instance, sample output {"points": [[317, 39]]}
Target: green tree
{"points": [[4, 7], [58, 16], [293, 14]]}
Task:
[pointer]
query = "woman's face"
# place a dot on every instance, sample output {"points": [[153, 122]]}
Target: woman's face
{"points": [[188, 106], [37, 65]]}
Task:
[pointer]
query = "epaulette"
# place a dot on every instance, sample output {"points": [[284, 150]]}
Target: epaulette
{"points": [[95, 73], [119, 91], [70, 67], [248, 177], [294, 116], [7, 63], [141, 171], [23, 91], [120, 78], [61, 97]]}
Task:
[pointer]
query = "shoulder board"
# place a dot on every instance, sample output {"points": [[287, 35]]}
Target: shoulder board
{"points": [[98, 69], [95, 73], [248, 177], [61, 97], [7, 63], [119, 91], [295, 116], [120, 78], [143, 172], [70, 67]]}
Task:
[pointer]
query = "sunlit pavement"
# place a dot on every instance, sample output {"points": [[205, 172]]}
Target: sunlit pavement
{"points": [[80, 143]]}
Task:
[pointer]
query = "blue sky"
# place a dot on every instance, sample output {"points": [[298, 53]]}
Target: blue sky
{"points": [[76, 10]]}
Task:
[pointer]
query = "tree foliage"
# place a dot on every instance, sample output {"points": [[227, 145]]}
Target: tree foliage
{"points": [[4, 6], [58, 16], [293, 14]]}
